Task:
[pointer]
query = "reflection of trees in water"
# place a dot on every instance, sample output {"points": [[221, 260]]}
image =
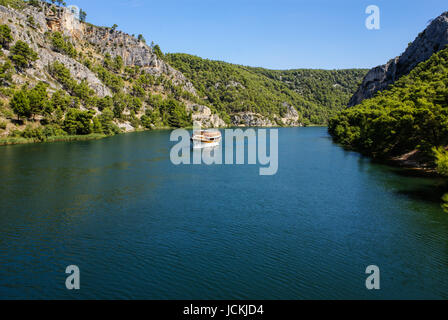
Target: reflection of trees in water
{"points": [[445, 202]]}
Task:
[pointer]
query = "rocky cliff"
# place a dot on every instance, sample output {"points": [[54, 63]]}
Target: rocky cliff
{"points": [[431, 40], [30, 25], [37, 24]]}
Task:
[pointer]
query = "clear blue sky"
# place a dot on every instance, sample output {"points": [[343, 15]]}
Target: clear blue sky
{"points": [[276, 34]]}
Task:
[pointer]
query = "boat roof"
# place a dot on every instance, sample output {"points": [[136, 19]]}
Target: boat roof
{"points": [[208, 133]]}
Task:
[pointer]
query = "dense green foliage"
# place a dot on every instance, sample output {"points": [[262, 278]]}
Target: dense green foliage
{"points": [[441, 155], [62, 45], [233, 88], [16, 4], [412, 114], [441, 160], [6, 72], [330, 89], [5, 36], [22, 55]]}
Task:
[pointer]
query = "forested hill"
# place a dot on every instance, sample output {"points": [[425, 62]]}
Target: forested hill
{"points": [[411, 116], [230, 88], [62, 77], [331, 89]]}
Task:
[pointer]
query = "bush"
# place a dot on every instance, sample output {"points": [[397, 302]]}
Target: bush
{"points": [[5, 36], [78, 122], [22, 55], [441, 160], [62, 45], [6, 72], [20, 104], [34, 133]]}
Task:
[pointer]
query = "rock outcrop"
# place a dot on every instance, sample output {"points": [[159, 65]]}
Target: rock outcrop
{"points": [[291, 118], [19, 22], [205, 118], [431, 40], [251, 119]]}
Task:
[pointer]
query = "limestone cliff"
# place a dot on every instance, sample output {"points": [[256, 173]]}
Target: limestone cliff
{"points": [[431, 40], [36, 24]]}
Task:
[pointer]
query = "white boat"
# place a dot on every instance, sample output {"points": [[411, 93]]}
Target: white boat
{"points": [[206, 139]]}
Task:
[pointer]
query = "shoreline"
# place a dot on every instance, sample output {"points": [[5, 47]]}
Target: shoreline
{"points": [[10, 141]]}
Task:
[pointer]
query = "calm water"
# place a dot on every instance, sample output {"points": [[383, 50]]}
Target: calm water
{"points": [[140, 227]]}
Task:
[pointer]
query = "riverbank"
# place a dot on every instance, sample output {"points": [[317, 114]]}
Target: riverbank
{"points": [[7, 141], [20, 140]]}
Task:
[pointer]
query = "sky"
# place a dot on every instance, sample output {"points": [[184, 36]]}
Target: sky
{"points": [[274, 34]]}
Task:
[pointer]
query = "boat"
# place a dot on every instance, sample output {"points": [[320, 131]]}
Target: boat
{"points": [[206, 139]]}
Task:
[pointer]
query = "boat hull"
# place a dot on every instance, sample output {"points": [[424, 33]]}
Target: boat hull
{"points": [[203, 145]]}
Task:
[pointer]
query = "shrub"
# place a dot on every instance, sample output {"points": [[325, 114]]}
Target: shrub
{"points": [[23, 55], [78, 122], [20, 104], [62, 45], [5, 36]]}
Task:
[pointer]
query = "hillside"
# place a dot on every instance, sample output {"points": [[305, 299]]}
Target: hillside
{"points": [[234, 89], [428, 42], [411, 116], [328, 89], [62, 78], [407, 117]]}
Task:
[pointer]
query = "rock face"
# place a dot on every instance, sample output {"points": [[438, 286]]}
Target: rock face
{"points": [[20, 29], [203, 116], [52, 18], [133, 52], [291, 118], [251, 119], [431, 40]]}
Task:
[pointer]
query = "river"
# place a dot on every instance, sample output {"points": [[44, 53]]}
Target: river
{"points": [[139, 227]]}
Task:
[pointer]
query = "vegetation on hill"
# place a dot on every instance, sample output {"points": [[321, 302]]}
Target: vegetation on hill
{"points": [[329, 89], [65, 104], [412, 114], [230, 88], [36, 111]]}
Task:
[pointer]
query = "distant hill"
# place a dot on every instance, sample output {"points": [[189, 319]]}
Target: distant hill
{"points": [[230, 88]]}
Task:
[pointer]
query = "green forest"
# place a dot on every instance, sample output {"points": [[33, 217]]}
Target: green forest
{"points": [[230, 88], [410, 115], [331, 89]]}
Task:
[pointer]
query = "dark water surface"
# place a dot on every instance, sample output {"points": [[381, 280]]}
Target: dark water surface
{"points": [[140, 227]]}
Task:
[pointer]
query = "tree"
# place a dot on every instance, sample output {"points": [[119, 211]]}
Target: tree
{"points": [[60, 100], [158, 52], [20, 104], [6, 71], [114, 27], [62, 45], [141, 38], [82, 15], [441, 160], [38, 98], [22, 55], [118, 63], [106, 118], [78, 122], [5, 36]]}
